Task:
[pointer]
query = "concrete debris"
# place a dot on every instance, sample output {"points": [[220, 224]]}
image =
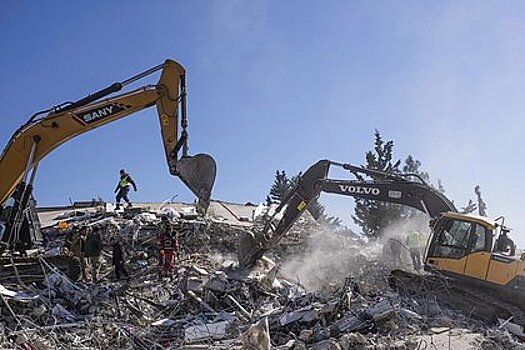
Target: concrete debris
{"points": [[513, 328], [19, 296], [204, 305], [205, 332], [61, 312], [258, 336]]}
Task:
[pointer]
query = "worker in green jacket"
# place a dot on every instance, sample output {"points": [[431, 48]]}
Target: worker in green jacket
{"points": [[122, 190], [416, 243]]}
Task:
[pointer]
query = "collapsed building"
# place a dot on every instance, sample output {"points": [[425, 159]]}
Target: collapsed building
{"points": [[316, 290], [295, 284]]}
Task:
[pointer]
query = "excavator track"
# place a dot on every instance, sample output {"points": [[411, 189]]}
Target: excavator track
{"points": [[481, 304], [32, 269]]}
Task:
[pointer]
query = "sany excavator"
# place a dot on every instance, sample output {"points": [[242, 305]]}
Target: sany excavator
{"points": [[47, 130], [461, 249]]}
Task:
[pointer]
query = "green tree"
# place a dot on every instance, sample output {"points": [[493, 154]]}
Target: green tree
{"points": [[413, 166], [469, 208], [482, 206], [281, 187], [472, 206], [317, 210], [374, 216]]}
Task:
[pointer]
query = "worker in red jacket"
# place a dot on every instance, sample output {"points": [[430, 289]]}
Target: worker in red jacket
{"points": [[168, 247]]}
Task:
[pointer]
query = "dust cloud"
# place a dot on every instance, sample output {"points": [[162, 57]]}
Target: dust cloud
{"points": [[330, 256]]}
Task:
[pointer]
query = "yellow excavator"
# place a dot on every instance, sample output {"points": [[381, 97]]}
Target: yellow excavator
{"points": [[47, 130], [482, 275]]}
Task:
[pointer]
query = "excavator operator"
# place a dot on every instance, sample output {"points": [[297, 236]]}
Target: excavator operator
{"points": [[504, 244], [122, 189]]}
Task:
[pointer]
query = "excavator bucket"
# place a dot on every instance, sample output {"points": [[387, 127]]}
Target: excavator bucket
{"points": [[198, 173], [253, 246]]}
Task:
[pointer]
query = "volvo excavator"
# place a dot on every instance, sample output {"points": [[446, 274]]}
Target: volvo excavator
{"points": [[461, 257], [49, 129]]}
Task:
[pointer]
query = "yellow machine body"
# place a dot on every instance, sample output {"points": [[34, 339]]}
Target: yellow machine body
{"points": [[464, 246]]}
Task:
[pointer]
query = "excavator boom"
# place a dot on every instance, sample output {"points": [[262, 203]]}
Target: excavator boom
{"points": [[392, 188], [38, 137]]}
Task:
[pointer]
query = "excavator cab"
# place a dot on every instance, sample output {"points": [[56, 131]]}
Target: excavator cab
{"points": [[463, 246]]}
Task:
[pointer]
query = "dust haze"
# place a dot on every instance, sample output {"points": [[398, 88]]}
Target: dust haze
{"points": [[331, 255]]}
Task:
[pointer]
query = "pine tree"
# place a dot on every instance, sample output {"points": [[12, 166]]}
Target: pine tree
{"points": [[412, 166], [373, 216], [334, 222], [469, 208], [482, 206], [317, 210], [280, 189]]}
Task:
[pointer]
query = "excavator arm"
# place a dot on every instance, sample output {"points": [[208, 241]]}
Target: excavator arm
{"points": [[38, 137], [386, 187]]}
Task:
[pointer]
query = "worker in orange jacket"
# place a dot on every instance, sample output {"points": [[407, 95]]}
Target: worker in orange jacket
{"points": [[168, 248]]}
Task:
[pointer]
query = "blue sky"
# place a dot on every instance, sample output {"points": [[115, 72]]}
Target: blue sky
{"points": [[278, 85]]}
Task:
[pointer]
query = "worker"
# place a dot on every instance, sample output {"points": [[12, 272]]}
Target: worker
{"points": [[118, 259], [68, 238], [394, 246], [93, 251], [168, 247], [20, 247], [415, 242], [504, 244], [122, 189], [77, 249]]}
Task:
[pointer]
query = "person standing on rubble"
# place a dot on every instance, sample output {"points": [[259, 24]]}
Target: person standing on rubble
{"points": [[416, 242], [93, 250], [394, 246], [168, 247], [118, 259], [77, 249], [123, 186]]}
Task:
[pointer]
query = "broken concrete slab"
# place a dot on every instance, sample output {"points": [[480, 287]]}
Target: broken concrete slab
{"points": [[207, 331]]}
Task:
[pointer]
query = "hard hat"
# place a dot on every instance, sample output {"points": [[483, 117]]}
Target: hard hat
{"points": [[63, 225]]}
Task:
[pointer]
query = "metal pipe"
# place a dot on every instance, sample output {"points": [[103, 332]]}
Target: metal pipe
{"points": [[33, 174], [184, 120], [36, 140], [108, 90], [142, 75], [25, 193]]}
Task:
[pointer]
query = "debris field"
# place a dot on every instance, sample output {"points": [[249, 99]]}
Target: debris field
{"points": [[207, 303]]}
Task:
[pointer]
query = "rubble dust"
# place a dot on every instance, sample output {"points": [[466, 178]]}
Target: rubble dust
{"points": [[317, 290]]}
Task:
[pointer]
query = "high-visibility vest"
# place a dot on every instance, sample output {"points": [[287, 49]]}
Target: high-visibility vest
{"points": [[415, 240], [124, 182]]}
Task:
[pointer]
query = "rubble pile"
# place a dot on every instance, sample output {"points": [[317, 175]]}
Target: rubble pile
{"points": [[208, 303]]}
